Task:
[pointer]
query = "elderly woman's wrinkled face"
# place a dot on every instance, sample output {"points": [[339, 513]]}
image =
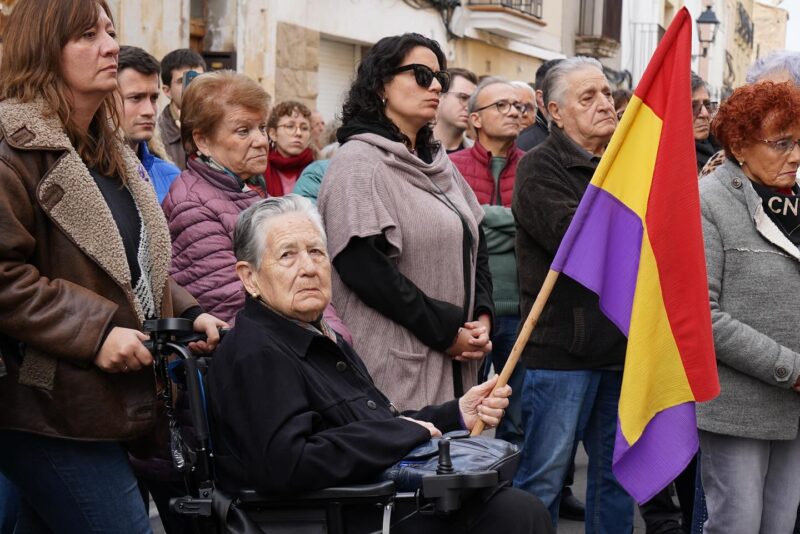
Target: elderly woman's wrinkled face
{"points": [[773, 157], [295, 273], [292, 135], [702, 118], [239, 142]]}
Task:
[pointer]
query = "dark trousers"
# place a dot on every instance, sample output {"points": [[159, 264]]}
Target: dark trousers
{"points": [[9, 506], [71, 486], [506, 510], [660, 513]]}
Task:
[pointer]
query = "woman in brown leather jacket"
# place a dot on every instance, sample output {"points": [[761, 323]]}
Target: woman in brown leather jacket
{"points": [[84, 260]]}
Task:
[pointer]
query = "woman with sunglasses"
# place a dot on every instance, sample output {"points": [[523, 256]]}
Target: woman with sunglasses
{"points": [[411, 276], [749, 441]]}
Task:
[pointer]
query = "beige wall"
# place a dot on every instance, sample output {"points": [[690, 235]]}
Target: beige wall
{"points": [[770, 32], [155, 25], [296, 64], [741, 54], [484, 59]]}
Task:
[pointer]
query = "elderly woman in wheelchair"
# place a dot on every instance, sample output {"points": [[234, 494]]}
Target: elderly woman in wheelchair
{"points": [[294, 406]]}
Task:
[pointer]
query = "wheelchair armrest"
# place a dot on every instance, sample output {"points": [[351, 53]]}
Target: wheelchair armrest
{"points": [[360, 491]]}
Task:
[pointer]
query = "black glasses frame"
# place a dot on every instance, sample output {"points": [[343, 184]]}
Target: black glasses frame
{"points": [[504, 107], [424, 75]]}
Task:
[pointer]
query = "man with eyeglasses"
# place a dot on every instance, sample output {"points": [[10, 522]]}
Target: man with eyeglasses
{"points": [[527, 95], [703, 110], [490, 167], [452, 118], [575, 356]]}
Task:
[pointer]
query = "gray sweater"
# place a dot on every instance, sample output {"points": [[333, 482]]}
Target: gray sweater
{"points": [[375, 186], [753, 279]]}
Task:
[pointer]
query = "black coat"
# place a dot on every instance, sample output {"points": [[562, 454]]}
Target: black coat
{"points": [[533, 135], [294, 411], [572, 332]]}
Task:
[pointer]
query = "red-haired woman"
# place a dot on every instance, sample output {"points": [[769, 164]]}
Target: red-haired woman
{"points": [[83, 262], [750, 464]]}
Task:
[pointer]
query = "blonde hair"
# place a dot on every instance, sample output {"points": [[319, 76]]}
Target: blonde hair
{"points": [[36, 33], [207, 97]]}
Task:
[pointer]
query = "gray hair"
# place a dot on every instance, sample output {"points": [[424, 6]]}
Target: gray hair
{"points": [[523, 85], [472, 104], [698, 82], [555, 85], [250, 234], [780, 60]]}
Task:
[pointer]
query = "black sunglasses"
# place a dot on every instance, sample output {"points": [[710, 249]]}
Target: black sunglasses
{"points": [[424, 75]]}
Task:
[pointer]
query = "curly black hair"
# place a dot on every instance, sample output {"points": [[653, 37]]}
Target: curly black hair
{"points": [[363, 103]]}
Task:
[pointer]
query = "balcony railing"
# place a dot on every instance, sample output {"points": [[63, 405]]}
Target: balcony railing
{"points": [[532, 8]]}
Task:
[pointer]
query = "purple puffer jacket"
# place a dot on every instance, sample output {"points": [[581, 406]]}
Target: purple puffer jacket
{"points": [[201, 208]]}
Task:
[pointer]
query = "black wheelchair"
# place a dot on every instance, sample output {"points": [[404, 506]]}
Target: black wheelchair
{"points": [[213, 509]]}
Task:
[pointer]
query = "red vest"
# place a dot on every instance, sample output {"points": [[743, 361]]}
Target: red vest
{"points": [[474, 164]]}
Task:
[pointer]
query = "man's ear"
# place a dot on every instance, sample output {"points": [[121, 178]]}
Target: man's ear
{"points": [[555, 113], [247, 275], [165, 89], [475, 120]]}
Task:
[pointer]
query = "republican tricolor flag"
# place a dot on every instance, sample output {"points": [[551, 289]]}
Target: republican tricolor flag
{"points": [[636, 241]]}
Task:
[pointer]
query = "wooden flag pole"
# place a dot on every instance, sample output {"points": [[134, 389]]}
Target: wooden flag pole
{"points": [[524, 335]]}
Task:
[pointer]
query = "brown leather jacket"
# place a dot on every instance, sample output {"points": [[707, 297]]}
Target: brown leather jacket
{"points": [[63, 279]]}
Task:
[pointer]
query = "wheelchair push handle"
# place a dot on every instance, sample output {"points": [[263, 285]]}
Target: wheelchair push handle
{"points": [[173, 334]]}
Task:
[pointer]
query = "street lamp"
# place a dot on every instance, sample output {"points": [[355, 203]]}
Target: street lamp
{"points": [[707, 24]]}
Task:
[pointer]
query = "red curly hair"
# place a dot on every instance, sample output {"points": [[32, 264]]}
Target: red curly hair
{"points": [[751, 109]]}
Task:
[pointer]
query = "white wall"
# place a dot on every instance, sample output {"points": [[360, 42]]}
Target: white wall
{"points": [[360, 21]]}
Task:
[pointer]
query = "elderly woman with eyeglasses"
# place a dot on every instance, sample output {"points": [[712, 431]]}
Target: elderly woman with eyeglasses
{"points": [[703, 110], [289, 127], [411, 270], [751, 224]]}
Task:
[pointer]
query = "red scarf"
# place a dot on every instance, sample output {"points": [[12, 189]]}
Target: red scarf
{"points": [[290, 166]]}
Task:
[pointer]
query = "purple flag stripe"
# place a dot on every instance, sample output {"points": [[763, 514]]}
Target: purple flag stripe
{"points": [[601, 250], [663, 451]]}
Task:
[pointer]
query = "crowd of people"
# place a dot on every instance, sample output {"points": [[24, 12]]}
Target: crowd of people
{"points": [[374, 272]]}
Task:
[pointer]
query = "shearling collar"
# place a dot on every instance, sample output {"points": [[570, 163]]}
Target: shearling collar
{"points": [[735, 181], [69, 195]]}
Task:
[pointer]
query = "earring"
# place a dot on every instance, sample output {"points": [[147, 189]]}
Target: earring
{"points": [[741, 162], [383, 100], [255, 294]]}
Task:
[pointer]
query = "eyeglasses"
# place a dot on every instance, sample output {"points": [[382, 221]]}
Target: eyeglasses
{"points": [[424, 75], [783, 146], [526, 108], [697, 105], [292, 127], [461, 97], [504, 107]]}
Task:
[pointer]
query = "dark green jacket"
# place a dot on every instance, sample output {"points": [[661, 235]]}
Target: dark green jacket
{"points": [[498, 225]]}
